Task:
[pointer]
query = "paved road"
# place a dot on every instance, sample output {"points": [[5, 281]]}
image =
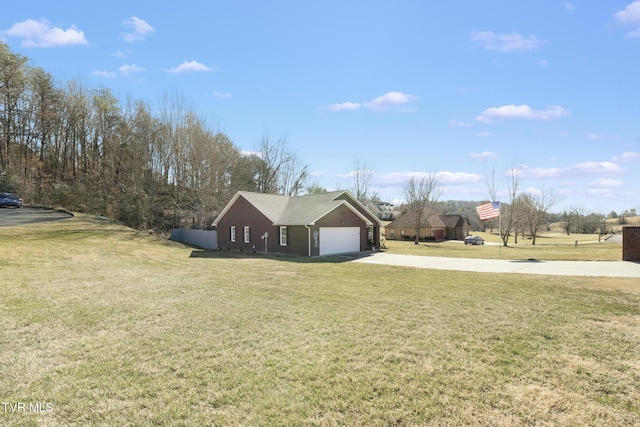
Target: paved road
{"points": [[559, 268], [26, 215]]}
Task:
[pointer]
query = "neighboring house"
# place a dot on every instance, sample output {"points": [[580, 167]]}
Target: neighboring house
{"points": [[456, 227], [313, 225], [385, 211], [436, 227]]}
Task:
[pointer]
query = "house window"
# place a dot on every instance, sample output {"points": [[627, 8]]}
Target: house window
{"points": [[247, 234], [283, 236], [233, 233]]}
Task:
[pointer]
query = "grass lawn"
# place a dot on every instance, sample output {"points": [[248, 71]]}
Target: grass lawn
{"points": [[548, 247], [102, 325]]}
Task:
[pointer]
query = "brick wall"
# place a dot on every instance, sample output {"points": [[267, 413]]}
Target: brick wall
{"points": [[631, 243]]}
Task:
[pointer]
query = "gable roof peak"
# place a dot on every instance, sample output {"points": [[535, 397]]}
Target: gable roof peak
{"points": [[298, 210]]}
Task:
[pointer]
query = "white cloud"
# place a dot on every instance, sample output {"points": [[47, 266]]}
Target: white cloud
{"points": [[248, 153], [600, 192], [399, 179], [512, 42], [588, 168], [120, 54], [601, 137], [390, 99], [569, 7], [344, 106], [188, 67], [141, 29], [533, 191], [543, 63], [222, 95], [484, 155], [630, 16], [41, 34], [585, 169], [628, 157], [484, 134], [127, 70], [633, 34], [105, 74], [459, 123], [520, 112], [352, 174], [607, 183], [381, 103], [458, 177]]}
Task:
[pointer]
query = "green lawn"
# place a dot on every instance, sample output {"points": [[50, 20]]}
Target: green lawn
{"points": [[548, 247], [107, 326]]}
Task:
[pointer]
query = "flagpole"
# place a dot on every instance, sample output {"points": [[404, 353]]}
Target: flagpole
{"points": [[500, 230]]}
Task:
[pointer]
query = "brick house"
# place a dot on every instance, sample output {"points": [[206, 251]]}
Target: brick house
{"points": [[436, 227], [312, 225]]}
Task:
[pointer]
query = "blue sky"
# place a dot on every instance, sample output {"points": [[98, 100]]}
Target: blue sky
{"points": [[465, 89]]}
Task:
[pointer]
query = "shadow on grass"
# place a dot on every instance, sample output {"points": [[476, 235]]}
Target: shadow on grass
{"points": [[333, 259]]}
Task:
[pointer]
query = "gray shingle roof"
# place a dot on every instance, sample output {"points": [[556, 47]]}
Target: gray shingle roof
{"points": [[300, 210], [271, 205], [452, 220], [408, 220]]}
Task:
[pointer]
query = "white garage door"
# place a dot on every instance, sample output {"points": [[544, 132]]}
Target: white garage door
{"points": [[337, 240]]}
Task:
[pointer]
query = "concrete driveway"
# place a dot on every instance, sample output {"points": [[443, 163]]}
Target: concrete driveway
{"points": [[27, 215], [559, 268]]}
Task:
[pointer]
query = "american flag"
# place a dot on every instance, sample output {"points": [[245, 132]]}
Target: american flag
{"points": [[488, 210]]}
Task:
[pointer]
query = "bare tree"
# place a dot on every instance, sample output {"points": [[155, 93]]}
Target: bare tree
{"points": [[315, 188], [492, 188], [533, 209], [509, 213], [82, 149], [13, 82], [567, 221], [571, 218], [421, 196], [272, 156], [293, 175], [280, 171], [587, 223], [245, 170], [520, 212], [362, 186]]}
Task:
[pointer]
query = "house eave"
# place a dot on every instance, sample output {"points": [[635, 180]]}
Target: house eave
{"points": [[350, 207], [356, 201], [225, 209]]}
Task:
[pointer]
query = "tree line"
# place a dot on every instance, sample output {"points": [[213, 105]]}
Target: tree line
{"points": [[82, 149], [66, 145], [528, 213]]}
